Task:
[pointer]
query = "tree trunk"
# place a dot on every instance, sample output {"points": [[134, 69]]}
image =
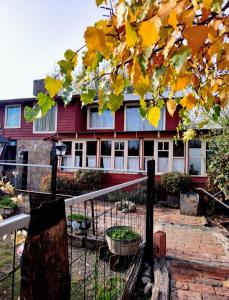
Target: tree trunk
{"points": [[45, 265]]}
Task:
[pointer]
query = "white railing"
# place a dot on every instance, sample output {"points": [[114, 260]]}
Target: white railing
{"points": [[17, 222]]}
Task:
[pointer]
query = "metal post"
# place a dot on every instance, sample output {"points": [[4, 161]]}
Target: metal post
{"points": [[24, 170], [53, 163], [149, 211]]}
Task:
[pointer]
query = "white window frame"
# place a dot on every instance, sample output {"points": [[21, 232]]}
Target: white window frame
{"points": [[137, 105], [85, 152], [139, 158], [44, 132], [170, 156], [5, 123], [202, 159], [178, 157], [111, 156], [97, 128], [144, 167]]}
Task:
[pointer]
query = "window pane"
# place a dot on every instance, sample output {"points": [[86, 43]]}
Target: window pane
{"points": [[106, 148], [134, 121], [166, 145], [69, 148], [91, 161], [148, 148], [119, 145], [133, 163], [163, 164], [13, 116], [194, 166], [106, 162], [163, 154], [195, 157], [104, 120], [178, 149], [91, 147], [47, 123], [119, 153], [160, 146], [78, 158], [133, 148], [178, 165], [194, 144], [119, 163]]}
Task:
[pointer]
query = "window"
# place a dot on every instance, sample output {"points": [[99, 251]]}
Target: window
{"points": [[97, 121], [78, 154], [178, 156], [194, 157], [46, 123], [67, 159], [134, 121], [163, 157], [208, 155], [91, 154], [119, 155], [133, 155], [106, 154], [148, 152], [13, 116]]}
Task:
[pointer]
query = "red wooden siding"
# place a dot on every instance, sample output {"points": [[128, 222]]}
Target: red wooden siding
{"points": [[66, 118], [172, 122], [119, 119]]}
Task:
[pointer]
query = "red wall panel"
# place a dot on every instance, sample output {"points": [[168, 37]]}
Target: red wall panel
{"points": [[119, 119], [172, 122]]}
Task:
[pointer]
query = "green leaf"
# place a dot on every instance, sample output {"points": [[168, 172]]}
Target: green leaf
{"points": [[88, 97], [179, 59], [115, 102], [65, 66], [67, 95], [31, 113], [45, 103]]}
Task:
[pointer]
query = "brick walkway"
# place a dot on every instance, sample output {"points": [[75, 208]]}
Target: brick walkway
{"points": [[197, 256]]}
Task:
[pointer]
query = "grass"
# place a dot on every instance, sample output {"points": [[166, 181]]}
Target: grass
{"points": [[122, 234], [77, 217]]}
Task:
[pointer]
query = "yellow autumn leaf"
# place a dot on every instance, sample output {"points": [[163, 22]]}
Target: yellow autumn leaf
{"points": [[165, 9], [53, 86], [171, 106], [143, 85], [188, 16], [181, 83], [99, 2], [154, 115], [189, 101], [135, 72], [95, 39], [172, 20], [196, 36], [149, 31], [118, 84], [1, 218], [207, 4], [131, 35]]}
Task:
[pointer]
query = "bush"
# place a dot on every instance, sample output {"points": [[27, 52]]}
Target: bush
{"points": [[175, 182], [6, 201], [74, 184]]}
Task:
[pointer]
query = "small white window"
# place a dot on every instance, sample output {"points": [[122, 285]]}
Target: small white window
{"points": [[100, 121], [13, 116], [134, 121], [119, 155], [133, 155], [78, 154], [163, 157], [46, 123], [178, 156], [106, 147], [91, 154], [194, 157], [148, 152]]}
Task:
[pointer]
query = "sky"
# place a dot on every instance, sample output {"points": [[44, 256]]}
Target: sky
{"points": [[34, 34]]}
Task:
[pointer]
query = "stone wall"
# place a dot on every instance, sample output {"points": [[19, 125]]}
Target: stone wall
{"points": [[38, 153]]}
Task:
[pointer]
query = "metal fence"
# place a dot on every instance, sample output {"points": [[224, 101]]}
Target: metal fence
{"points": [[98, 271]]}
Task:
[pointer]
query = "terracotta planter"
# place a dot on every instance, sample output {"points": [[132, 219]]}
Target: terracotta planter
{"points": [[122, 247]]}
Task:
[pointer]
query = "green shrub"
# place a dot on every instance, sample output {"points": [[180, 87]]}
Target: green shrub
{"points": [[175, 182], [74, 184], [6, 201]]}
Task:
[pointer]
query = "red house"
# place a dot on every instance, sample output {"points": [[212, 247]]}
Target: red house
{"points": [[122, 142]]}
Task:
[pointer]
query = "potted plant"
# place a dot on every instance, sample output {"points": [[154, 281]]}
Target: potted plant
{"points": [[79, 222], [122, 240], [174, 183], [7, 206]]}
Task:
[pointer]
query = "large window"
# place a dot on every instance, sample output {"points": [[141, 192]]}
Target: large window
{"points": [[46, 123], [67, 158], [97, 121], [106, 154], [134, 121], [12, 116], [163, 157], [178, 156], [91, 154], [194, 157], [133, 155], [119, 155]]}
